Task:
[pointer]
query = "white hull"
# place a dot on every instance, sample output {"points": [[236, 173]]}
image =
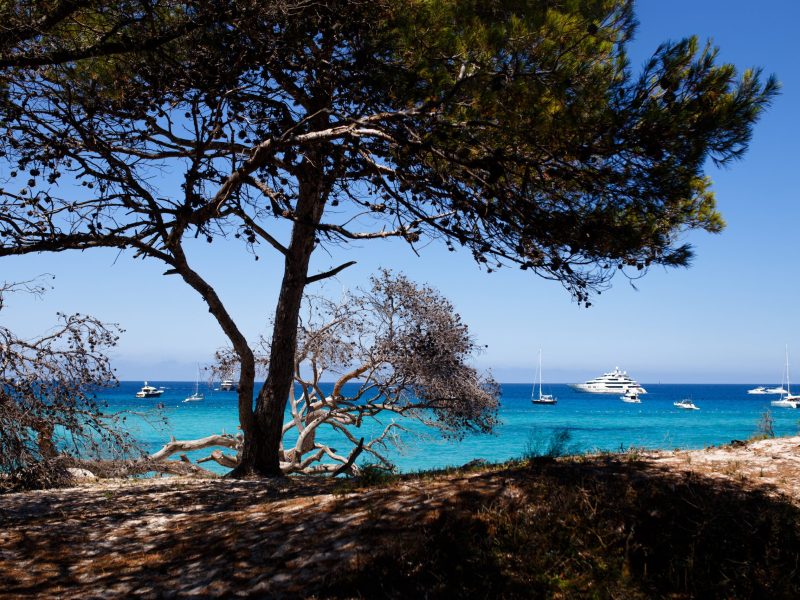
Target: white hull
{"points": [[197, 396], [615, 382], [789, 402], [631, 397], [543, 398], [767, 391], [148, 391], [605, 389], [229, 386], [685, 405]]}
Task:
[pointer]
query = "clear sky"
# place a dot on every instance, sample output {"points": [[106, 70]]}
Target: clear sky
{"points": [[724, 320]]}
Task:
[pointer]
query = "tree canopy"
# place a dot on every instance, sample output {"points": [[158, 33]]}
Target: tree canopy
{"points": [[516, 130]]}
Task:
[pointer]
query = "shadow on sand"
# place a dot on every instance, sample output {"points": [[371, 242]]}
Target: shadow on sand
{"points": [[592, 527]]}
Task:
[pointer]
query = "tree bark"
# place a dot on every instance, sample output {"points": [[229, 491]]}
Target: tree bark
{"points": [[261, 451], [247, 368]]}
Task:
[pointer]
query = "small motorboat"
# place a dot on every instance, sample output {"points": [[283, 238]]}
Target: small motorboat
{"points": [[228, 385], [777, 390], [685, 404], [631, 396], [148, 391]]}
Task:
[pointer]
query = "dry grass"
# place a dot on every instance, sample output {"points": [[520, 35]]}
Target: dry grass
{"points": [[643, 526]]}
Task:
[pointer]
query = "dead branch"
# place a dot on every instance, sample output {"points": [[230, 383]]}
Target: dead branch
{"points": [[218, 456], [348, 466], [174, 446], [117, 469]]}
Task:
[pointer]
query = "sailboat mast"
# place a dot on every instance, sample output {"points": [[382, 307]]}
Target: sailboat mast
{"points": [[540, 373], [788, 385]]}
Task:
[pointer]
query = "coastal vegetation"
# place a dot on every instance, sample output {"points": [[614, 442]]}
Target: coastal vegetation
{"points": [[516, 131], [49, 411]]}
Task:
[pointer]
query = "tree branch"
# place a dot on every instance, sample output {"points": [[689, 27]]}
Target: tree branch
{"points": [[228, 441], [351, 459], [331, 273]]}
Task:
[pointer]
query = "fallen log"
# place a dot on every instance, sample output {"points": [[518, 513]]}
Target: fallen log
{"points": [[174, 446], [118, 469]]}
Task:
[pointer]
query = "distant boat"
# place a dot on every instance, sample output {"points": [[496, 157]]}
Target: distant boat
{"points": [[685, 404], [765, 390], [543, 398], [787, 400], [615, 382], [148, 391], [777, 390], [631, 397], [197, 396], [228, 385]]}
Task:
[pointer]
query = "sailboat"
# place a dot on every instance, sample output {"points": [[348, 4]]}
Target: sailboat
{"points": [[197, 395], [788, 400], [543, 398]]}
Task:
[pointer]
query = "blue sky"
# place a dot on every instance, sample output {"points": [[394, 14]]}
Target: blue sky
{"points": [[724, 320]]}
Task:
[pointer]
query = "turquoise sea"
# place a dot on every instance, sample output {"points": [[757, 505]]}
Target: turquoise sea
{"points": [[596, 422]]}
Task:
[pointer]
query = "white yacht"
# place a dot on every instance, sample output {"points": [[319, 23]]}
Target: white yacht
{"points": [[759, 390], [148, 391], [615, 382], [765, 390], [685, 404]]}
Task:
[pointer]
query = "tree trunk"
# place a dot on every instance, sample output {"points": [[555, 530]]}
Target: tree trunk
{"points": [[261, 450]]}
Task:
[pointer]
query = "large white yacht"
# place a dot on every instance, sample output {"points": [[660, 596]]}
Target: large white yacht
{"points": [[615, 382]]}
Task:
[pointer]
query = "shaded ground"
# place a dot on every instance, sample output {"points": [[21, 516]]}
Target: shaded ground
{"points": [[706, 524]]}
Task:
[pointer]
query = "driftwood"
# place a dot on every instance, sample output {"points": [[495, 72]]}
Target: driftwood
{"points": [[159, 462], [174, 446], [294, 461], [221, 458]]}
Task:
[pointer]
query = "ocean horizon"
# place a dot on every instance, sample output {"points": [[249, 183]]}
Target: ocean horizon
{"points": [[596, 422]]}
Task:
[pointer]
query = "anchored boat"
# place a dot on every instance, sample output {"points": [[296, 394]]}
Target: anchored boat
{"points": [[615, 382]]}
